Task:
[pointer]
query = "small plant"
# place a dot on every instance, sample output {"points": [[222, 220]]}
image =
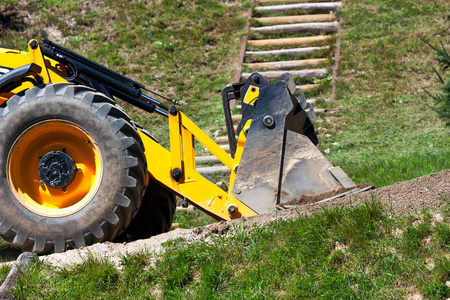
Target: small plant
{"points": [[442, 97]]}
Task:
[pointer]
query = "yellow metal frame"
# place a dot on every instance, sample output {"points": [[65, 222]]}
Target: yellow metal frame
{"points": [[192, 185], [161, 162], [51, 70]]}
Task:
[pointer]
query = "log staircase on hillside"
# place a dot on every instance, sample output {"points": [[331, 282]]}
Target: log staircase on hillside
{"points": [[292, 36]]}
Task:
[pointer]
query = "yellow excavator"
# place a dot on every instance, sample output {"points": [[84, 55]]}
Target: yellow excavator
{"points": [[76, 170]]}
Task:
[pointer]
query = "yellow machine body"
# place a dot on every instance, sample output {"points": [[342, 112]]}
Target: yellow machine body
{"points": [[75, 170], [192, 186]]}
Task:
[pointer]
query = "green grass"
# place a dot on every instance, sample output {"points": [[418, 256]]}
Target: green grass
{"points": [[382, 129], [382, 112], [186, 50], [442, 97], [360, 252], [195, 218]]}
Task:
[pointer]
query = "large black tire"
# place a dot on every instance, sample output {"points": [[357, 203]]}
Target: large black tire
{"points": [[155, 215], [102, 202]]}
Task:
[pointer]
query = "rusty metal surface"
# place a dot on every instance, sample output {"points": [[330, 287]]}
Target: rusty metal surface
{"points": [[305, 169], [343, 178], [259, 168], [280, 160]]}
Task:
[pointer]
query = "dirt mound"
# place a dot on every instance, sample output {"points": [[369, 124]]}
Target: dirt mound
{"points": [[403, 197], [303, 200]]}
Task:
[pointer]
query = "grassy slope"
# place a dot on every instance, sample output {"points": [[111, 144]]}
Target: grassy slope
{"points": [[348, 253], [184, 49], [385, 130]]}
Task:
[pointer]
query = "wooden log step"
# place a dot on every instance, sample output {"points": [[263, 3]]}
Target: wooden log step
{"points": [[221, 139], [319, 110], [307, 87], [291, 1], [225, 147], [210, 170], [285, 65], [206, 158], [310, 73], [291, 41], [300, 27], [292, 52], [297, 19], [301, 6], [236, 118], [224, 128]]}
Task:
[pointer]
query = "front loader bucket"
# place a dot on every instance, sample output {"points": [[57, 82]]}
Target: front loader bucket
{"points": [[280, 162]]}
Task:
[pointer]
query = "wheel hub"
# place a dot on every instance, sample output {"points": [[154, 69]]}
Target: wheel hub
{"points": [[56, 169]]}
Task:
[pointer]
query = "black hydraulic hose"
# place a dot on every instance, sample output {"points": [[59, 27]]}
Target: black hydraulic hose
{"points": [[142, 104], [55, 48], [100, 76], [119, 85], [154, 101]]}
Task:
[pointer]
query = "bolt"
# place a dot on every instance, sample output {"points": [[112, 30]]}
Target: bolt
{"points": [[269, 121], [173, 110], [33, 44], [41, 182], [238, 191], [64, 150], [64, 190], [176, 174], [79, 169], [185, 204], [232, 209], [256, 79]]}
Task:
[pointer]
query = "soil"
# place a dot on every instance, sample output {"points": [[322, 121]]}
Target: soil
{"points": [[303, 200], [402, 197]]}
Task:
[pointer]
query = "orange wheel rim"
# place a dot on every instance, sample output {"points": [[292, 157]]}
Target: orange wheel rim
{"points": [[28, 151]]}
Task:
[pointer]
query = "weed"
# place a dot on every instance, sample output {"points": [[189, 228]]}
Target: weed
{"points": [[442, 98], [196, 218], [4, 271], [382, 112], [437, 291]]}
